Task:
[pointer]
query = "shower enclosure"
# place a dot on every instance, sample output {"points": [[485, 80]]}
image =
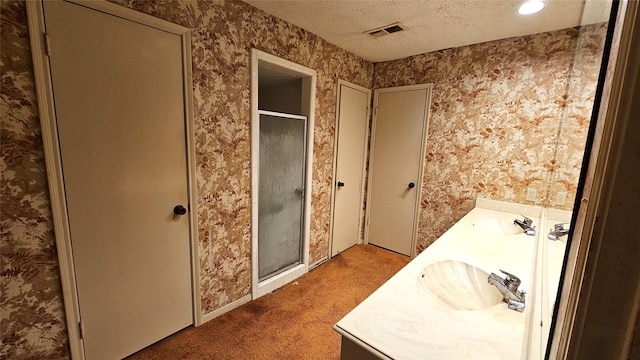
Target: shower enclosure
{"points": [[281, 192], [282, 118]]}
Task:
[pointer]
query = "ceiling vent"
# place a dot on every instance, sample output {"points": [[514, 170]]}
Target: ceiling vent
{"points": [[386, 30]]}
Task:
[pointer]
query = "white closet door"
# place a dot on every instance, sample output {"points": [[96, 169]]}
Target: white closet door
{"points": [[353, 120], [118, 90], [399, 132]]}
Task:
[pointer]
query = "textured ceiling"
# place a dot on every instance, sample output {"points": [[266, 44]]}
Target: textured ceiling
{"points": [[432, 24]]}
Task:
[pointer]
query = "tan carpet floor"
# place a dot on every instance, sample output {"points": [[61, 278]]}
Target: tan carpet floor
{"points": [[294, 322]]}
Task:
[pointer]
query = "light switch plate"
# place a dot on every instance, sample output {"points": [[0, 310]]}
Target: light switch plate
{"points": [[531, 194]]}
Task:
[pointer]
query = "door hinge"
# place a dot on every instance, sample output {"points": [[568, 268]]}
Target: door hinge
{"points": [[81, 329], [47, 44]]}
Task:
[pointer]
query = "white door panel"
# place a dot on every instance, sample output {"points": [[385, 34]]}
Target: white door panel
{"points": [[395, 172], [351, 145], [118, 90]]}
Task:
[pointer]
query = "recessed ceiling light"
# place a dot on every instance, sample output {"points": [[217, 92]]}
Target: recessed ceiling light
{"points": [[531, 7]]}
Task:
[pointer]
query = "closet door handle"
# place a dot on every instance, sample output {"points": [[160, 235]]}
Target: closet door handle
{"points": [[179, 210], [340, 184], [411, 185]]}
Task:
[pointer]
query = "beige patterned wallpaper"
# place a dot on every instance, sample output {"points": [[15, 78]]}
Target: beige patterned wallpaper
{"points": [[577, 106], [33, 324], [505, 115]]}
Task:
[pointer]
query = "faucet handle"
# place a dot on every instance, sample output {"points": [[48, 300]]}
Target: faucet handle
{"points": [[526, 220], [515, 305], [511, 281], [560, 226]]}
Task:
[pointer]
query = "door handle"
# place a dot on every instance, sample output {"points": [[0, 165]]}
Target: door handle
{"points": [[411, 185], [179, 210], [340, 184]]}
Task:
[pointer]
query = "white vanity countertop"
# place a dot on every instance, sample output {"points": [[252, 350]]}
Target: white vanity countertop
{"points": [[400, 322]]}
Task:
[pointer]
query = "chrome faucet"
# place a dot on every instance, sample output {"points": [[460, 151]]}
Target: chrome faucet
{"points": [[558, 231], [527, 225], [509, 288]]}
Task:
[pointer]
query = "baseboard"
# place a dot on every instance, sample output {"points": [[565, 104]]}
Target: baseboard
{"points": [[318, 263], [277, 281], [215, 313]]}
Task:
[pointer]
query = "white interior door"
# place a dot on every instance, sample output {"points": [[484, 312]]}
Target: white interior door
{"points": [[120, 108], [399, 130], [352, 121]]}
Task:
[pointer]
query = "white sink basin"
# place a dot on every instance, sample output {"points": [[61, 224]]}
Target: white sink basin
{"points": [[456, 285], [496, 226]]}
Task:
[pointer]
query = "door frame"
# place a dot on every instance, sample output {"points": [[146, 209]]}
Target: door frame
{"points": [[46, 108], [423, 147], [365, 163], [308, 97]]}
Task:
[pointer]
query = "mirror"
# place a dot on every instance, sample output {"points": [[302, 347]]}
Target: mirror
{"points": [[574, 120]]}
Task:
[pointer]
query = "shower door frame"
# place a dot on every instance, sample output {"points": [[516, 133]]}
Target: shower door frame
{"points": [[308, 96], [286, 268]]}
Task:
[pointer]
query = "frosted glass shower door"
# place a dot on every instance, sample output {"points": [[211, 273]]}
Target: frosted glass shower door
{"points": [[281, 192]]}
